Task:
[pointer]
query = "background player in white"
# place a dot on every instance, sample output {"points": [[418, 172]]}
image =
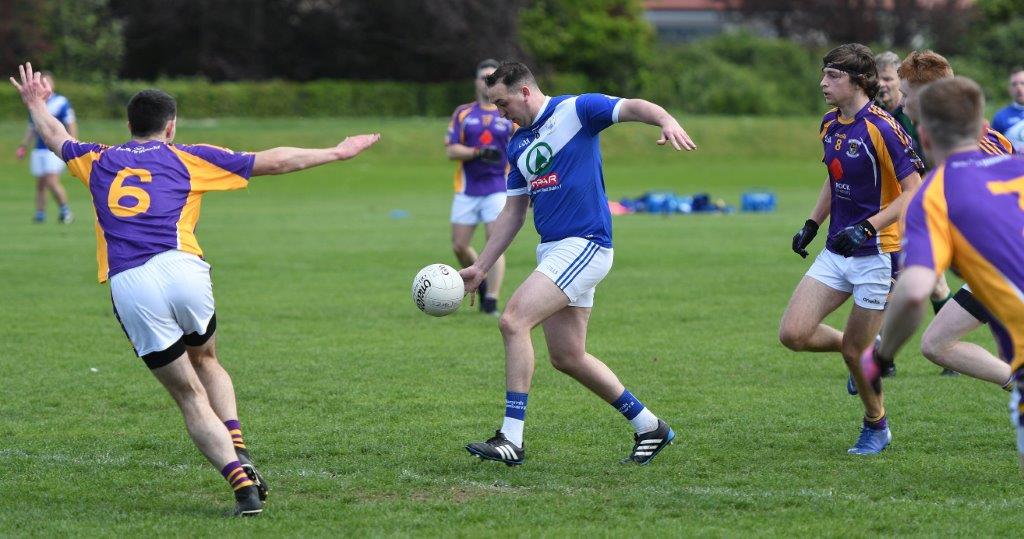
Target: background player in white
{"points": [[556, 165], [44, 164], [477, 138]]}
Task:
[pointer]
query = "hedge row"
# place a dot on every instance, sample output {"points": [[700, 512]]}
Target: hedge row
{"points": [[727, 74]]}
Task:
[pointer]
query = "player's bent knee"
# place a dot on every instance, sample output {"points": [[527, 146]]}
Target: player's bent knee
{"points": [[794, 340], [566, 362], [933, 345]]}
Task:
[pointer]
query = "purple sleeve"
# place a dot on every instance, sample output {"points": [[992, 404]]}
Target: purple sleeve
{"points": [[900, 146], [455, 125], [237, 163], [597, 111], [72, 149]]}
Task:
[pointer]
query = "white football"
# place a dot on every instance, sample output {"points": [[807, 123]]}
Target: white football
{"points": [[438, 290]]}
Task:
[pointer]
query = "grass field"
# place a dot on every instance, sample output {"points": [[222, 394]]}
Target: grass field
{"points": [[357, 406]]}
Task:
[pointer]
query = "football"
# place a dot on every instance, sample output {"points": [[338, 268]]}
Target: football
{"points": [[438, 290]]}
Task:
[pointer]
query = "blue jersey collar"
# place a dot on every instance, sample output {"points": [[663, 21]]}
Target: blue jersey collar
{"points": [[540, 113]]}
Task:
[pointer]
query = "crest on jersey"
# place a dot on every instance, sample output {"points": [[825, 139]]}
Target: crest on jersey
{"points": [[538, 158], [853, 148], [487, 120]]}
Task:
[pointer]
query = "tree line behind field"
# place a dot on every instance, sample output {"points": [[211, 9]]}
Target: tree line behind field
{"points": [[302, 57]]}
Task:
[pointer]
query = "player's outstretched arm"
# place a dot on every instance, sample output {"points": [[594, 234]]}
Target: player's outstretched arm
{"points": [[639, 110], [34, 92], [504, 230], [284, 159]]}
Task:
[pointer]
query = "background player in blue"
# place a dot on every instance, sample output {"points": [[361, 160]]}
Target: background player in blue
{"points": [[45, 165], [1009, 120], [872, 169], [556, 164], [476, 139]]}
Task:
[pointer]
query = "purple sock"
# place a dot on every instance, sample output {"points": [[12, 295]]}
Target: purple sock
{"points": [[881, 424]]}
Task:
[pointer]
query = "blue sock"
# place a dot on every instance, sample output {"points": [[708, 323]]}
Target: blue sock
{"points": [[635, 411], [628, 405], [64, 208], [515, 405], [515, 416], [40, 215]]}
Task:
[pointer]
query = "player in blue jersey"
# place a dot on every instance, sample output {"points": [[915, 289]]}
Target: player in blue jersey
{"points": [[968, 215], [555, 160], [871, 169], [476, 139], [44, 164], [1009, 120]]}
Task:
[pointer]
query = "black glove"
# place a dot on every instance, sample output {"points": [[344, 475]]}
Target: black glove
{"points": [[804, 237], [847, 240], [489, 154]]}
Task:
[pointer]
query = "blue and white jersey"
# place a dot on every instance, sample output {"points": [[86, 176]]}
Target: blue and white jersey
{"points": [[1010, 122], [60, 108], [557, 161]]}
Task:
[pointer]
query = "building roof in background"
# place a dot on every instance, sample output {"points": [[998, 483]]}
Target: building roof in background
{"points": [[688, 5]]}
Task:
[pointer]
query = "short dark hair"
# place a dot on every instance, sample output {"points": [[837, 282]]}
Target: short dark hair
{"points": [[952, 111], [1016, 69], [484, 64], [857, 61], [149, 111], [511, 73]]}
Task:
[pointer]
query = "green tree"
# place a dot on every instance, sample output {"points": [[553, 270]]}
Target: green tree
{"points": [[995, 35], [607, 40], [86, 41]]}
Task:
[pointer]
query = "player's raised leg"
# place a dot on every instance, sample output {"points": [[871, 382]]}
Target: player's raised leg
{"points": [[942, 345], [533, 302], [566, 336], [207, 431]]}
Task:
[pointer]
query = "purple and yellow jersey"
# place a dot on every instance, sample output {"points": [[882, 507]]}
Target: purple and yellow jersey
{"points": [[478, 126], [866, 157], [969, 214], [994, 143], [147, 195]]}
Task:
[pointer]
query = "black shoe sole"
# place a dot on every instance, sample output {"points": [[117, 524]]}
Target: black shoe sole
{"points": [[482, 456]]}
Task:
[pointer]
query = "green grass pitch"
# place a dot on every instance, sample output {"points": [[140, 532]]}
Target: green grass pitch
{"points": [[357, 406]]}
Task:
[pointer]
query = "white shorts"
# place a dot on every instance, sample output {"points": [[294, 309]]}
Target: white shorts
{"points": [[469, 210], [163, 300], [868, 278], [576, 265], [43, 162]]}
